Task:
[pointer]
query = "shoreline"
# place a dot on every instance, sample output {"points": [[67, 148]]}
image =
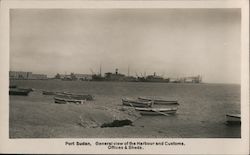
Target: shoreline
{"points": [[189, 83]]}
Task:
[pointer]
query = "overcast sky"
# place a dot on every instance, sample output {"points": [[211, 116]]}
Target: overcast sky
{"points": [[170, 42]]}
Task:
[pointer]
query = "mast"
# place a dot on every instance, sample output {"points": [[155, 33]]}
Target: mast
{"points": [[100, 69], [128, 70]]}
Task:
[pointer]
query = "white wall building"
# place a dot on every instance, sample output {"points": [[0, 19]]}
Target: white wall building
{"points": [[19, 75]]}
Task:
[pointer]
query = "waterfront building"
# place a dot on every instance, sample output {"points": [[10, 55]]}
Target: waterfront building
{"points": [[83, 77], [192, 79], [20, 75], [73, 76], [38, 77]]}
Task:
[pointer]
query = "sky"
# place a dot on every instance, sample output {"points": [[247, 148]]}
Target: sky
{"points": [[170, 42]]}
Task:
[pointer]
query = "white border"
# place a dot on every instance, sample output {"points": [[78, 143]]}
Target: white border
{"points": [[193, 145]]}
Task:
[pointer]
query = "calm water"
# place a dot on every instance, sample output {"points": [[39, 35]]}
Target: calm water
{"points": [[201, 112]]}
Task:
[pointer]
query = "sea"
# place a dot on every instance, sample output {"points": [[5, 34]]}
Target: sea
{"points": [[201, 113]]}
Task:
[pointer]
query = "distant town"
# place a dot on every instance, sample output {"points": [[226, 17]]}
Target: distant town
{"points": [[109, 76]]}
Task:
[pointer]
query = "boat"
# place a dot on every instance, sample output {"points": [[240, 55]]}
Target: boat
{"points": [[26, 89], [49, 93], [12, 86], [19, 91], [56, 93], [157, 111], [233, 118], [135, 102], [65, 100], [159, 101], [72, 98]]}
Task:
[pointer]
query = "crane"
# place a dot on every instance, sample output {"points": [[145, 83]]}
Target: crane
{"points": [[92, 71], [136, 74]]}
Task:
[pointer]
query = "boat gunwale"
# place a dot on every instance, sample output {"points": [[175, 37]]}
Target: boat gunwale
{"points": [[130, 100], [159, 101], [69, 99], [156, 109]]}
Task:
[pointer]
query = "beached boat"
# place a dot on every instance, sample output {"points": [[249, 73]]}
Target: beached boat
{"points": [[71, 98], [135, 102], [26, 89], [233, 118], [19, 91], [12, 86], [159, 101], [49, 93], [157, 111], [65, 100], [56, 93]]}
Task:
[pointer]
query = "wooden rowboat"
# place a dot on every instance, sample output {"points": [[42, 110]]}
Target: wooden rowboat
{"points": [[63, 100], [49, 93], [12, 86], [72, 98], [159, 101], [56, 93], [233, 118], [19, 91], [135, 102], [157, 111]]}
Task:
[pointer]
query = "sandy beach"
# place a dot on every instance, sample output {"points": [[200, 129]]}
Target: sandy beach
{"points": [[45, 119], [37, 116]]}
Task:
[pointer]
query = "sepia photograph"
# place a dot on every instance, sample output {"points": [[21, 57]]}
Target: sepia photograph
{"points": [[113, 73], [124, 77]]}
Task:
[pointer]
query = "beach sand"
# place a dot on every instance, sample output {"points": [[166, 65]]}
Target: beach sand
{"points": [[39, 117], [201, 113]]}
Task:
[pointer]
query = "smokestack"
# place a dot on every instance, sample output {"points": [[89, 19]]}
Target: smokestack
{"points": [[116, 71]]}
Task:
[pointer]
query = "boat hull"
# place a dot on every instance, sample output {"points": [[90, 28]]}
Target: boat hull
{"points": [[134, 103], [156, 111], [77, 99], [49, 93], [19, 92], [159, 101], [12, 86], [56, 93], [233, 119], [68, 101]]}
